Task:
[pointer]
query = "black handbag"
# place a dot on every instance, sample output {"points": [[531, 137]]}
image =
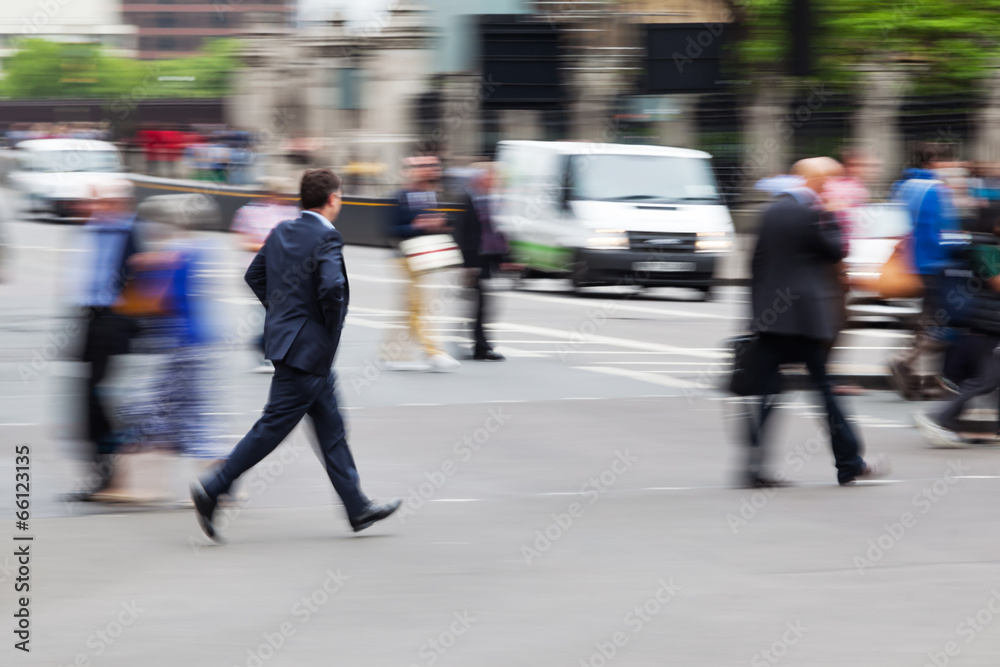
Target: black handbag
{"points": [[754, 373]]}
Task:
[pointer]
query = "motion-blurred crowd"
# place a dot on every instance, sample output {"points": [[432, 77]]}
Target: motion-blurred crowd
{"points": [[203, 153], [949, 257], [143, 290], [144, 286]]}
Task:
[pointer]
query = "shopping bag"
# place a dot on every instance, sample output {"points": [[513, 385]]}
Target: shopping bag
{"points": [[898, 278], [433, 252]]}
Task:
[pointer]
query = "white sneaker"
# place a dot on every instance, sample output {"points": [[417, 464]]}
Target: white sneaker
{"points": [[265, 367], [936, 434], [406, 365], [442, 363]]}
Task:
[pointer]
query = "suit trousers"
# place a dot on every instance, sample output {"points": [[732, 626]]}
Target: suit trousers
{"points": [[294, 394], [780, 349], [481, 306]]}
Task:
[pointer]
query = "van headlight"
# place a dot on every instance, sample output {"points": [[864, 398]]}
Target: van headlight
{"points": [[714, 242], [608, 239]]}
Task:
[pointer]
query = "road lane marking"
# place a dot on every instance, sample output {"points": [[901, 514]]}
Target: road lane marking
{"points": [[615, 306], [567, 337], [664, 381]]}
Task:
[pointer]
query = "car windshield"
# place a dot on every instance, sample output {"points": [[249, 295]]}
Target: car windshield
{"points": [[637, 178], [881, 221], [69, 160]]}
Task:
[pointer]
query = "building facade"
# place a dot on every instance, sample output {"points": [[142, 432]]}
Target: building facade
{"points": [[71, 21], [173, 28]]}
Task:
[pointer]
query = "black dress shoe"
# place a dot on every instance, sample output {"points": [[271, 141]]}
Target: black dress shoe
{"points": [[204, 505], [759, 482], [374, 512], [488, 355]]}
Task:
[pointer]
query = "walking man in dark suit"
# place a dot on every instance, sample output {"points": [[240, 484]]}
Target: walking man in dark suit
{"points": [[300, 277], [794, 292], [483, 248]]}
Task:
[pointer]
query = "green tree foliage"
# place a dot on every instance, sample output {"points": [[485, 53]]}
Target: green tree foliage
{"points": [[947, 45], [43, 69]]}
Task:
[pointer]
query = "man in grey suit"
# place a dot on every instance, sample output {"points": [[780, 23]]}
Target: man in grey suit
{"points": [[300, 277], [795, 293]]}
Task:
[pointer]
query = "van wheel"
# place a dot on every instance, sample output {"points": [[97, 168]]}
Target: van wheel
{"points": [[578, 277]]}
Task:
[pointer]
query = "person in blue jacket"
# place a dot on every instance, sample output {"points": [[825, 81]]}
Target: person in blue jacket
{"points": [[932, 210]]}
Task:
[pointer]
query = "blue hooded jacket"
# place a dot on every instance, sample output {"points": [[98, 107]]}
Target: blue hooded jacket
{"points": [[931, 209]]}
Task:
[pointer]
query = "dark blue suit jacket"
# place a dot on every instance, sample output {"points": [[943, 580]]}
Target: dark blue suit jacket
{"points": [[300, 277]]}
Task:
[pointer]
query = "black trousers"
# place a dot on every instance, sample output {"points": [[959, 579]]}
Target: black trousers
{"points": [[778, 349], [481, 307], [985, 379], [107, 335], [295, 394]]}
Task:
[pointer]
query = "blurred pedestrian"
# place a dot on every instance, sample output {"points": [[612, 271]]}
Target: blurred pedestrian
{"points": [[110, 240], [849, 191], [985, 188], [305, 317], [483, 248], [252, 224], [978, 344], [794, 291], [929, 203], [776, 184], [170, 290], [416, 215], [844, 195]]}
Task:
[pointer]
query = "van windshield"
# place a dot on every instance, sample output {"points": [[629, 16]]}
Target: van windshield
{"points": [[62, 161], [643, 178]]}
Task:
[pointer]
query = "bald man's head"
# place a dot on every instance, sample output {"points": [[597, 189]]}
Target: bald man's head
{"points": [[815, 170]]}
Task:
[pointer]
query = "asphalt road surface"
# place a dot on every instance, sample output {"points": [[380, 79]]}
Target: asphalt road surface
{"points": [[573, 505]]}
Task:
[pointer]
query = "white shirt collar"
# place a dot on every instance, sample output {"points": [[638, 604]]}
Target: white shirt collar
{"points": [[320, 217]]}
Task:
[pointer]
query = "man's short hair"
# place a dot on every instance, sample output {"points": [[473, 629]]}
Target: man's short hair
{"points": [[317, 186]]}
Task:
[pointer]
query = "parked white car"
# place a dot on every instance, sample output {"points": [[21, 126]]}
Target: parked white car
{"points": [[55, 177]]}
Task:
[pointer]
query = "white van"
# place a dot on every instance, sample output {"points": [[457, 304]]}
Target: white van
{"points": [[610, 214], [55, 176]]}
